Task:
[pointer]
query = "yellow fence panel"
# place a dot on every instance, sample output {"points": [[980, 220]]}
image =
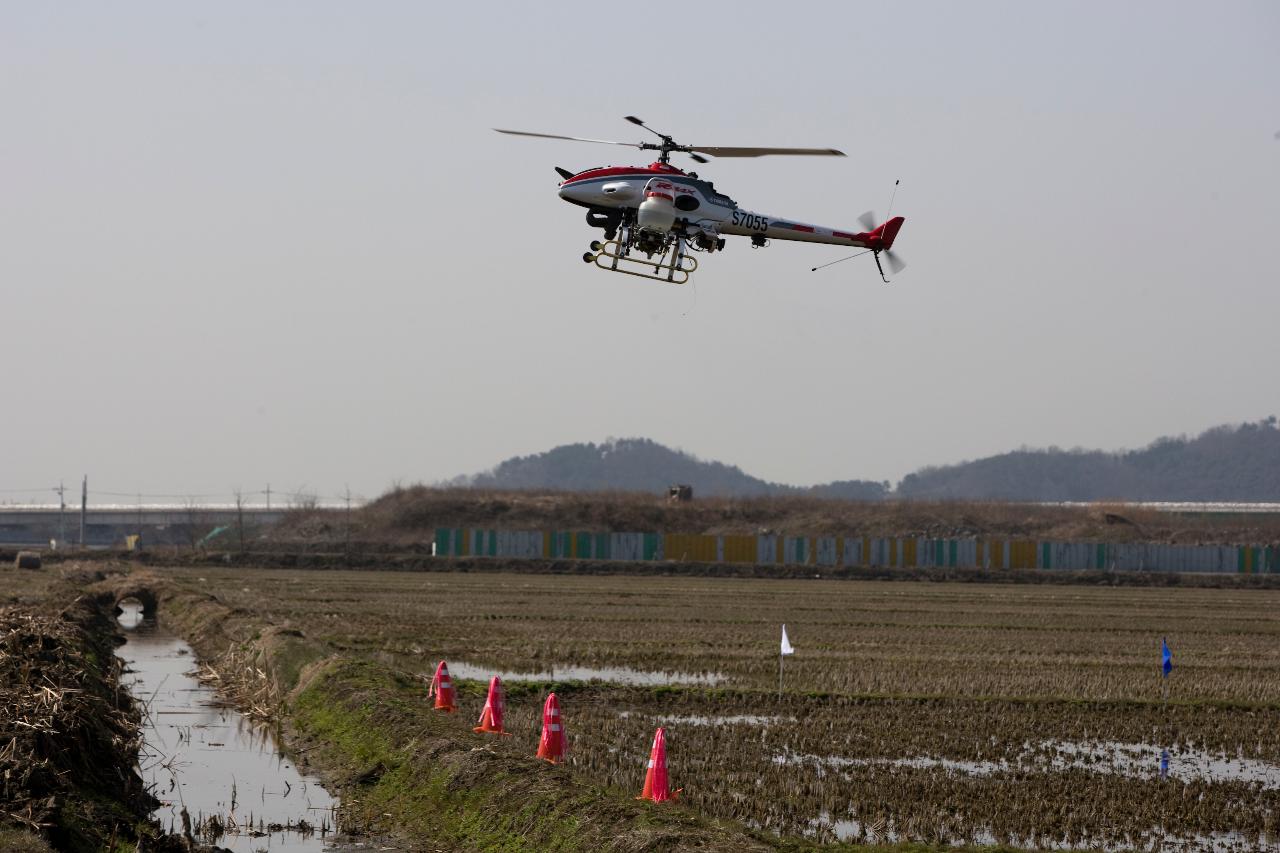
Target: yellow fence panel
{"points": [[1022, 554], [689, 546], [740, 549]]}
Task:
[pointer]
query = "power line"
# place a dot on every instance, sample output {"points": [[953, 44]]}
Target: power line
{"points": [[287, 495], [156, 495]]}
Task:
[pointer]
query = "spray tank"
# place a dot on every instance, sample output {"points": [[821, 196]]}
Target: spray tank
{"points": [[657, 210]]}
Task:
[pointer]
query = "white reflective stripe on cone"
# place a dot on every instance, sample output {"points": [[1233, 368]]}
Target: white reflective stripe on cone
{"points": [[650, 763], [554, 712], [555, 727], [446, 685]]}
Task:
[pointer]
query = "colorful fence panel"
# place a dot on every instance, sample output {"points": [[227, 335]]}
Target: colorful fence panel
{"points": [[862, 551]]}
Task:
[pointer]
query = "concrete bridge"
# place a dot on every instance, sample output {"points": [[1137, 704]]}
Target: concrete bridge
{"points": [[107, 526]]}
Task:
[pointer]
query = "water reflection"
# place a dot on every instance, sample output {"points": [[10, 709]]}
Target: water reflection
{"points": [[1133, 760], [613, 675], [886, 831], [131, 617], [1049, 756], [203, 756], [714, 719]]}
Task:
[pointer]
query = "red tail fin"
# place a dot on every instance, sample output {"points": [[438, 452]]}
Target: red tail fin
{"points": [[886, 233]]}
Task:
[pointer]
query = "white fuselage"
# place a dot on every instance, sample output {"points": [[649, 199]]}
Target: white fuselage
{"points": [[698, 204]]}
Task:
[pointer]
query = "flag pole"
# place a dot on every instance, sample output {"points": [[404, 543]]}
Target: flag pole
{"points": [[1166, 667], [784, 649]]}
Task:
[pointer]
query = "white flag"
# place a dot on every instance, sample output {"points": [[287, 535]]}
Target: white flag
{"points": [[786, 644]]}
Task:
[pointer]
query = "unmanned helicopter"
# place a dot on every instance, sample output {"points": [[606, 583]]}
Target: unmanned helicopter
{"points": [[666, 213]]}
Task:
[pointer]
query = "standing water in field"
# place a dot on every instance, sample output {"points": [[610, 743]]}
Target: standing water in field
{"points": [[198, 753], [612, 674]]}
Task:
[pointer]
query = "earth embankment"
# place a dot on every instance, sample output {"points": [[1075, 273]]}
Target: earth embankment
{"points": [[68, 729]]}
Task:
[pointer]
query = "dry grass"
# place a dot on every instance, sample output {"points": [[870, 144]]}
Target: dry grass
{"points": [[412, 514], [68, 732]]}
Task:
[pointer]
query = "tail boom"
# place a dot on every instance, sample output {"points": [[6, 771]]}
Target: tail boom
{"points": [[879, 239]]}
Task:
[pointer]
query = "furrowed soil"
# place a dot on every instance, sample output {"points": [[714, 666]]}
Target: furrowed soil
{"points": [[1032, 716]]}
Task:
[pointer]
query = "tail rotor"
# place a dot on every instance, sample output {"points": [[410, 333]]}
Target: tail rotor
{"points": [[895, 262]]}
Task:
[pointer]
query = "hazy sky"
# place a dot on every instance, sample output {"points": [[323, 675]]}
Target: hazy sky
{"points": [[279, 242]]}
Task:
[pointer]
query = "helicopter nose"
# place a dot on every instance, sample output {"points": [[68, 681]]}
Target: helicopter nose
{"points": [[572, 192]]}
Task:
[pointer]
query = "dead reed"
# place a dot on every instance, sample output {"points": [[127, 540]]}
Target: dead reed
{"points": [[64, 727]]}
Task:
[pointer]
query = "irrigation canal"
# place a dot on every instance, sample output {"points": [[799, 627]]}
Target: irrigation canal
{"points": [[201, 755]]}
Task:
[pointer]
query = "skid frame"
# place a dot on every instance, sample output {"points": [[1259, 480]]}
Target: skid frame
{"points": [[612, 257]]}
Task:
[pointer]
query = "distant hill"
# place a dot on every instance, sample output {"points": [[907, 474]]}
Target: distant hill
{"points": [[1226, 463], [641, 465]]}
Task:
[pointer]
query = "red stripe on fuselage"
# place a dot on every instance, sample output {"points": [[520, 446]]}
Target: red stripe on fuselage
{"points": [[844, 235], [611, 171]]}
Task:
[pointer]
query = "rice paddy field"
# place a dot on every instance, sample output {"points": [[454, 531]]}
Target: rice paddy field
{"points": [[942, 712]]}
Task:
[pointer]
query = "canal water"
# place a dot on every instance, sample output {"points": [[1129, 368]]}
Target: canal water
{"points": [[199, 753]]}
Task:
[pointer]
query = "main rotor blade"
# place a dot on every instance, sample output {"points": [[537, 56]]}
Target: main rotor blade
{"points": [[570, 138], [635, 120], [720, 151]]}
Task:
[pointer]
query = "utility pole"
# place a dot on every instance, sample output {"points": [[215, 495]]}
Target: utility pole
{"points": [[268, 497], [240, 518], [62, 515], [347, 545], [84, 505]]}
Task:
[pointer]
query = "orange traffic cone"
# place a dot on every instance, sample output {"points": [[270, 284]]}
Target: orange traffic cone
{"points": [[491, 716], [552, 745], [442, 689], [656, 786]]}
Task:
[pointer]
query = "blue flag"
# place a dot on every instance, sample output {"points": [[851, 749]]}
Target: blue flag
{"points": [[1166, 656], [1164, 764]]}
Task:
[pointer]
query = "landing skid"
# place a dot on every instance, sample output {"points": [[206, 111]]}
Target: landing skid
{"points": [[672, 267]]}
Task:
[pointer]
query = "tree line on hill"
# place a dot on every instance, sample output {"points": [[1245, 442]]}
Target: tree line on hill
{"points": [[1226, 463]]}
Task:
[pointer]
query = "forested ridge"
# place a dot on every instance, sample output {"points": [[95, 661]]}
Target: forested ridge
{"points": [[1227, 463]]}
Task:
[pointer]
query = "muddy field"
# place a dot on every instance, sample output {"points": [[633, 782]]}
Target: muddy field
{"points": [[910, 711]]}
